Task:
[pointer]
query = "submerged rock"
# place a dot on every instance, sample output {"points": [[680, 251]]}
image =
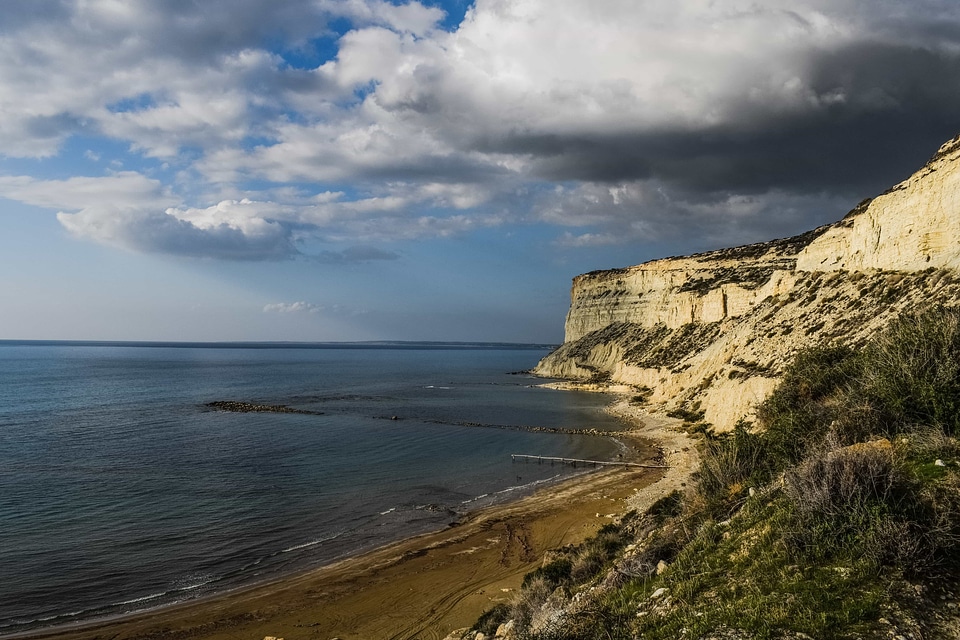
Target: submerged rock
{"points": [[252, 407]]}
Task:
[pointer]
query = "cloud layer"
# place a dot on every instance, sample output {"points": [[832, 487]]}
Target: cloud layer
{"points": [[243, 129]]}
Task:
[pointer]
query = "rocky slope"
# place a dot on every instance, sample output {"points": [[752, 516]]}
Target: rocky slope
{"points": [[709, 334]]}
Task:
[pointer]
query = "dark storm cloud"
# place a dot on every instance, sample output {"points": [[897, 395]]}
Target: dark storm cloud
{"points": [[894, 106]]}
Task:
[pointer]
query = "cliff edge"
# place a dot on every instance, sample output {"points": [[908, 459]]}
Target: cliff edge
{"points": [[708, 335]]}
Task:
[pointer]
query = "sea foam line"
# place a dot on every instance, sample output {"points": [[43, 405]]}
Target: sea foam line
{"points": [[312, 543], [513, 488], [101, 609]]}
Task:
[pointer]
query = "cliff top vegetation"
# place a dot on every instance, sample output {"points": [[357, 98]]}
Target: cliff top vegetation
{"points": [[835, 515]]}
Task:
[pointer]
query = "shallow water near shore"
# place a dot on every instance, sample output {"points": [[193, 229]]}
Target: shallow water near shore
{"points": [[121, 490]]}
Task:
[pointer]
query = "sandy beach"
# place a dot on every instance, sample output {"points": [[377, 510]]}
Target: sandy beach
{"points": [[423, 587]]}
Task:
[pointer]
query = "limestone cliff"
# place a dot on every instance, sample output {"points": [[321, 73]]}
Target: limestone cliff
{"points": [[709, 333]]}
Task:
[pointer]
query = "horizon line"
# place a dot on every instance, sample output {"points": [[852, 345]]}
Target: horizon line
{"points": [[284, 344]]}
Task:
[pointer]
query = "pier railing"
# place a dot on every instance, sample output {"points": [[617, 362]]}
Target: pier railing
{"points": [[575, 461]]}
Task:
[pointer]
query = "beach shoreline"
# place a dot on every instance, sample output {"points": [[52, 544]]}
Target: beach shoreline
{"points": [[424, 586]]}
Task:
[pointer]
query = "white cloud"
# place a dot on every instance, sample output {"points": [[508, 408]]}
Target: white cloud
{"points": [[123, 190], [569, 66], [568, 239], [653, 118], [292, 307], [155, 231], [201, 69], [132, 211], [515, 93], [301, 307], [411, 17]]}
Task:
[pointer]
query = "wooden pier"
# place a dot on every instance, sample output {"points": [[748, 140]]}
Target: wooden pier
{"points": [[586, 463]]}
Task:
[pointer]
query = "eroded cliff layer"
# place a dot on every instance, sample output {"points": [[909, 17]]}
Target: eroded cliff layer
{"points": [[710, 333]]}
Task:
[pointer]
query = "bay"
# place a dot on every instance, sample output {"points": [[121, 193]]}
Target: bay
{"points": [[120, 489]]}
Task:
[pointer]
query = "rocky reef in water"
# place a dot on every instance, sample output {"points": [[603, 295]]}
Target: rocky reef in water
{"points": [[235, 406]]}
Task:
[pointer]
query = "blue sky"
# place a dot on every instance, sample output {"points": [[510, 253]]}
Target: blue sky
{"points": [[376, 170]]}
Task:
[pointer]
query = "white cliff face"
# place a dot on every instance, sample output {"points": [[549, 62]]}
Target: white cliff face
{"points": [[673, 292], [913, 226], [710, 333]]}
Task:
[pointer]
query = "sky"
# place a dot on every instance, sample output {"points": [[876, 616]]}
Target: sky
{"points": [[318, 170]]}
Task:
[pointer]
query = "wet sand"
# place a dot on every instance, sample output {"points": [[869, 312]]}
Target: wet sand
{"points": [[424, 587]]}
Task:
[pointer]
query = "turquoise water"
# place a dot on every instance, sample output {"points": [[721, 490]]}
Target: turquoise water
{"points": [[120, 490]]}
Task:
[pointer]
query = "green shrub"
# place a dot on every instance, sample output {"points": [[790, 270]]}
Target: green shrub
{"points": [[911, 373], [587, 565], [643, 394], [730, 463], [555, 574], [691, 415], [609, 619], [907, 375], [856, 503], [799, 412], [491, 619], [669, 506], [598, 552], [529, 600]]}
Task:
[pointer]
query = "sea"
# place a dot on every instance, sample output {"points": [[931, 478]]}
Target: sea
{"points": [[121, 490]]}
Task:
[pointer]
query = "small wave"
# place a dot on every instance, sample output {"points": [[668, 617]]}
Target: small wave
{"points": [[195, 585], [18, 622], [390, 510], [152, 596], [156, 596], [101, 610], [518, 487], [312, 543], [430, 506]]}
